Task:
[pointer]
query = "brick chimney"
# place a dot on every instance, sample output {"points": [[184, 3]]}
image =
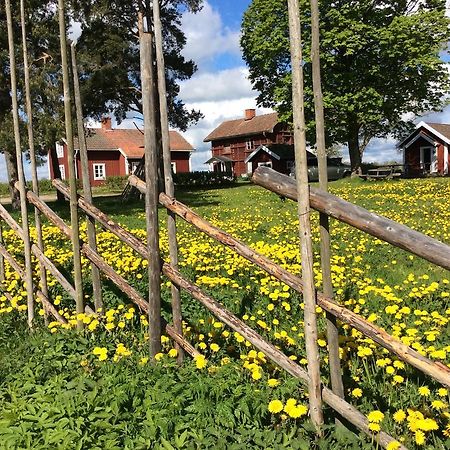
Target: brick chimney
{"points": [[106, 123], [249, 114]]}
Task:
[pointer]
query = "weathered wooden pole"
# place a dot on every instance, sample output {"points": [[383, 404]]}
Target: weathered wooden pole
{"points": [[440, 373], [91, 232], [2, 260], [371, 223], [301, 170], [325, 241], [22, 188], [168, 179], [151, 195], [118, 280], [34, 178], [71, 162]]}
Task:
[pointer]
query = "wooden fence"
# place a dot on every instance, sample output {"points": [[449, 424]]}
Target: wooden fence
{"points": [[154, 100]]}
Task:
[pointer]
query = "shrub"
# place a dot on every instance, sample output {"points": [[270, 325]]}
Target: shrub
{"points": [[116, 183], [4, 190], [202, 179]]}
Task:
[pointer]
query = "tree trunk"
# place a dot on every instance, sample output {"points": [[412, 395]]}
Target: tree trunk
{"points": [[354, 151], [13, 176], [55, 166]]}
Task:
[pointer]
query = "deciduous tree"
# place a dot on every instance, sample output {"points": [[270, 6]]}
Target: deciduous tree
{"points": [[380, 60]]}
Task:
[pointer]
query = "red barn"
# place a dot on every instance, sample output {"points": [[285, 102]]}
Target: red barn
{"points": [[234, 140], [117, 152], [425, 150]]}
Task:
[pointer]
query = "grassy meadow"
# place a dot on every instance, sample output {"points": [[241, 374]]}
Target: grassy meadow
{"points": [[94, 390]]}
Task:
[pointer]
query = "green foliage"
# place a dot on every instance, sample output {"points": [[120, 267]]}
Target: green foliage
{"points": [[116, 183], [379, 60], [112, 72], [51, 401], [45, 186], [203, 179]]}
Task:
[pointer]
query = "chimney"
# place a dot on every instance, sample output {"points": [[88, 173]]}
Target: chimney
{"points": [[249, 114], [106, 123]]}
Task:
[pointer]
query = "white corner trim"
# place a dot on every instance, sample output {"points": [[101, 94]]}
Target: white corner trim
{"points": [[432, 130], [445, 159], [122, 153], [264, 148], [418, 136]]}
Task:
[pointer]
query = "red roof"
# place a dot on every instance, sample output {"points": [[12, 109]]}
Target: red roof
{"points": [[243, 127], [130, 141]]}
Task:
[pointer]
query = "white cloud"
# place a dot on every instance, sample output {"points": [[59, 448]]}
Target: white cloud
{"points": [[207, 37], [228, 84]]}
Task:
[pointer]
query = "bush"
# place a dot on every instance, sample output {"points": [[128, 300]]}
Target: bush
{"points": [[202, 179], [45, 186], [4, 190], [116, 183]]}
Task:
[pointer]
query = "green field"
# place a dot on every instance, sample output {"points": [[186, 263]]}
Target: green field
{"points": [[97, 390]]}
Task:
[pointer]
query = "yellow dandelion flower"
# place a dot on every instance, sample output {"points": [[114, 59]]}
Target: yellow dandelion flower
{"points": [[357, 393], [272, 382], [275, 406], [375, 416]]}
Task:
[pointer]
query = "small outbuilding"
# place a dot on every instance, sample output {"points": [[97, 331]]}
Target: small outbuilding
{"points": [[425, 150], [279, 157]]}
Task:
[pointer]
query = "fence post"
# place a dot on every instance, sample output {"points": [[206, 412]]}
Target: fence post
{"points": [[34, 178], [332, 330], [168, 179], [90, 222], [151, 195], [310, 320], [2, 260], [22, 189], [71, 161]]}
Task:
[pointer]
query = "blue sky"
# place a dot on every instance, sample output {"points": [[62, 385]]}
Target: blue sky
{"points": [[220, 89]]}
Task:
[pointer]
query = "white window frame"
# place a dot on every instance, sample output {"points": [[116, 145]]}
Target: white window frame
{"points": [[62, 171], [249, 144], [59, 150], [433, 160], [290, 166], [173, 165], [103, 170], [134, 166], [265, 164]]}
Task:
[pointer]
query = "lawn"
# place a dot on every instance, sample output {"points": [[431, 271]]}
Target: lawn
{"points": [[97, 389]]}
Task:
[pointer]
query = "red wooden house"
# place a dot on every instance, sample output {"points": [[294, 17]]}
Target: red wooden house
{"points": [[425, 150], [233, 141], [117, 152]]}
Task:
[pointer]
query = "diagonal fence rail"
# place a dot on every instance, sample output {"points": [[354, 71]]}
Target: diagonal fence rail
{"points": [[345, 409]]}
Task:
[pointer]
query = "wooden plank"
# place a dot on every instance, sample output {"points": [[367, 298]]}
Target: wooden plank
{"points": [[337, 383], [21, 184], [91, 233], [74, 223], [378, 226], [168, 179], [438, 371], [151, 196]]}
